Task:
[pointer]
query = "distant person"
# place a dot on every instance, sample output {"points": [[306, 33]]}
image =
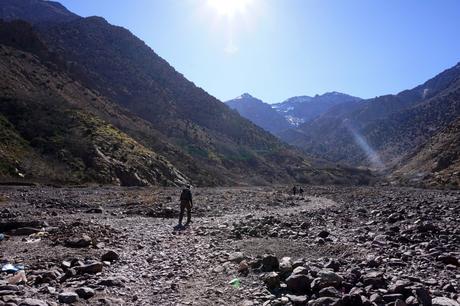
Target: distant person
{"points": [[294, 190], [301, 191], [186, 202]]}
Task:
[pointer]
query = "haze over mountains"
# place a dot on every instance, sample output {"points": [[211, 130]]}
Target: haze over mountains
{"points": [[278, 117], [86, 101], [260, 113]]}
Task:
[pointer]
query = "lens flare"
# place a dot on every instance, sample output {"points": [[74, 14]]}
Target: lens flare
{"points": [[371, 154], [230, 8]]}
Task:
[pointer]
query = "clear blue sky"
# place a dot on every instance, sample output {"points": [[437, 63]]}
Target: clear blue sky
{"points": [[275, 49]]}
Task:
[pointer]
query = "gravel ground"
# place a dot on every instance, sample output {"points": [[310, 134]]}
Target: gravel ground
{"points": [[331, 246]]}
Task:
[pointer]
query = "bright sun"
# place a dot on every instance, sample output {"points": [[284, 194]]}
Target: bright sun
{"points": [[230, 8]]}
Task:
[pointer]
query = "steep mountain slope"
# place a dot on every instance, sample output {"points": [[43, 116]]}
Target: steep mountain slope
{"points": [[435, 164], [302, 109], [260, 113], [289, 106], [47, 136], [35, 11], [122, 80], [120, 66], [381, 131]]}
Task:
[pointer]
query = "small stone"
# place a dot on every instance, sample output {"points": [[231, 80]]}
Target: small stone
{"points": [[323, 234], [375, 279], [85, 292], [33, 302], [66, 265], [391, 298], [399, 287], [243, 267], [423, 296], [297, 299], [110, 256], [79, 242], [449, 288], [449, 259], [285, 265], [400, 303], [332, 264], [97, 210], [352, 300], [112, 282], [324, 301], [330, 292], [91, 268], [326, 279], [376, 298], [236, 257], [67, 297], [443, 301], [412, 300]]}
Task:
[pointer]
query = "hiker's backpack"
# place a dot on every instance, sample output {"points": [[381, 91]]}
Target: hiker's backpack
{"points": [[186, 195]]}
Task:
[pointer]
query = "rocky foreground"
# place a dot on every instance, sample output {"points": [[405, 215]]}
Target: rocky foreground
{"points": [[247, 246]]}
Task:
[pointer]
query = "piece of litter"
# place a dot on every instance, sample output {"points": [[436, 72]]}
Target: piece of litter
{"points": [[236, 283], [9, 268], [17, 278]]}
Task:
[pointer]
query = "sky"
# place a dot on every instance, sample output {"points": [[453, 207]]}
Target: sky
{"points": [[276, 49]]}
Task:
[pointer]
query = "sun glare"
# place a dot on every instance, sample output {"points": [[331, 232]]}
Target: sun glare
{"points": [[230, 8]]}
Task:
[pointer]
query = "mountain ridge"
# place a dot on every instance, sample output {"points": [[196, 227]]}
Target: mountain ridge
{"points": [[389, 127], [302, 109], [259, 112], [121, 77]]}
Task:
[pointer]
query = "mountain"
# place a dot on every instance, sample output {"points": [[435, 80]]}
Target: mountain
{"points": [[105, 100], [35, 11], [278, 118], [434, 164], [45, 135], [381, 132], [302, 109], [260, 113]]}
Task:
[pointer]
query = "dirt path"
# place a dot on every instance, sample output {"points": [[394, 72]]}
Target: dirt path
{"points": [[185, 267]]}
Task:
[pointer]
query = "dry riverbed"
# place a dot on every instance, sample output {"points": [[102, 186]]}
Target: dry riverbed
{"points": [[331, 246]]}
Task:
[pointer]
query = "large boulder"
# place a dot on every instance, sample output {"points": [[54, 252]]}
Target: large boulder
{"points": [[298, 282], [326, 279], [270, 263], [374, 278], [272, 280], [110, 256]]}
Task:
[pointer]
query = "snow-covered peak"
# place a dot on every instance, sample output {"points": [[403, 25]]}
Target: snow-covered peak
{"points": [[244, 96]]}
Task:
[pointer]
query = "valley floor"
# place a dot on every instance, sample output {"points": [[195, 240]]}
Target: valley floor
{"points": [[357, 245]]}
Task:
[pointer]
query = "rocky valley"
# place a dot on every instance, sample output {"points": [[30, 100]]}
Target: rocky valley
{"points": [[99, 134], [246, 246]]}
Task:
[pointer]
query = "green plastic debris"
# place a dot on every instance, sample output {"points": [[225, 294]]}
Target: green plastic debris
{"points": [[236, 283]]}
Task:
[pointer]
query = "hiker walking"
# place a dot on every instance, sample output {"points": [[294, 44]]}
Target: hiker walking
{"points": [[301, 191], [186, 202], [294, 190]]}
